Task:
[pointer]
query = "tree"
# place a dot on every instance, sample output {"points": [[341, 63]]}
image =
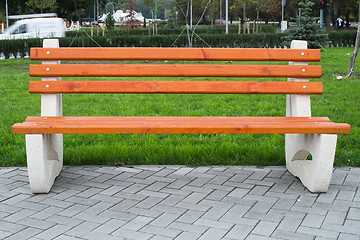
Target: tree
{"points": [[110, 21], [307, 29], [131, 22], [356, 50], [42, 5]]}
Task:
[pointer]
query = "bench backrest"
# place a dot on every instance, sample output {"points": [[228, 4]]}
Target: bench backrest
{"points": [[297, 72]]}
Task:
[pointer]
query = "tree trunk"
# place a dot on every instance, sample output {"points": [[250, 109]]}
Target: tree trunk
{"points": [[328, 18], [244, 15], [356, 50], [287, 11]]}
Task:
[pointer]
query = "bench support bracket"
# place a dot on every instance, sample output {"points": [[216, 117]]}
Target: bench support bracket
{"points": [[315, 174], [44, 160]]}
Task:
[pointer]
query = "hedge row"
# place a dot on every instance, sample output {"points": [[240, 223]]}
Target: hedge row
{"points": [[175, 31], [271, 40]]}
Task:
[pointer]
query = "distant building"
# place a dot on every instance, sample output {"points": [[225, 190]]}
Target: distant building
{"points": [[120, 16]]}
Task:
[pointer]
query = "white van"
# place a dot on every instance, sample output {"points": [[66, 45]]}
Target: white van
{"points": [[35, 28]]}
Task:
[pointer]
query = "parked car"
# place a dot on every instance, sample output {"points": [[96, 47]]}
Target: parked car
{"points": [[35, 28], [221, 22]]}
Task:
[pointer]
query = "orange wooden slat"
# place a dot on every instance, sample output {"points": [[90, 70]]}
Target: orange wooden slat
{"points": [[173, 70], [219, 87], [219, 54], [175, 119], [179, 127]]}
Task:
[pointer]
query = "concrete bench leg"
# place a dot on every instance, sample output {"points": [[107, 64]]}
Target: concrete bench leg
{"points": [[314, 174], [44, 160]]}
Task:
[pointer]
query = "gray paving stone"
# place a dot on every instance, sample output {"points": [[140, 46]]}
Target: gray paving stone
{"points": [[289, 224], [196, 189], [284, 204], [213, 234], [318, 232], [215, 213], [26, 233], [91, 217], [48, 212], [258, 237], [82, 201], [106, 215], [334, 217], [53, 232], [261, 207], [345, 236], [149, 202], [195, 197], [345, 195], [172, 200], [98, 208], [190, 216], [163, 208], [186, 227], [214, 224], [158, 237], [110, 226], [82, 229], [327, 198], [310, 210], [192, 206], [10, 227], [313, 220], [273, 217], [153, 193], [124, 205], [124, 233], [156, 186], [4, 234], [137, 223], [165, 219], [24, 213], [259, 190], [73, 210], [105, 198], [265, 228], [64, 220], [112, 190], [354, 214], [239, 232], [188, 236], [145, 212], [169, 190], [229, 218], [167, 232], [238, 193], [65, 237], [16, 199], [291, 235], [217, 195]]}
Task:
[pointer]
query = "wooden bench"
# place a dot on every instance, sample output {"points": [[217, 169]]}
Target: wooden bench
{"points": [[304, 134]]}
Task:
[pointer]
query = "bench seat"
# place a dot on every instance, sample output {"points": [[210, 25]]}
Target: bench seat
{"points": [[179, 125]]}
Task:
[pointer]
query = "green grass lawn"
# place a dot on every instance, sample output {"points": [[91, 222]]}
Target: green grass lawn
{"points": [[340, 102]]}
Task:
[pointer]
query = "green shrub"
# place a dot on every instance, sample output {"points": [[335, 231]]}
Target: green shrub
{"points": [[231, 40]]}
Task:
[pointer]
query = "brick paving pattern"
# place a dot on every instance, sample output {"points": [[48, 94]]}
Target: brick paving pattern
{"points": [[177, 202]]}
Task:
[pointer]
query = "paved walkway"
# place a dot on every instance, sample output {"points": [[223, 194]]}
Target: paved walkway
{"points": [[174, 202]]}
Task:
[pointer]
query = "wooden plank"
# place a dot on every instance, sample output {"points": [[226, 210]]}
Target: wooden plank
{"points": [[218, 54], [180, 127], [172, 119], [175, 87], [173, 70]]}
